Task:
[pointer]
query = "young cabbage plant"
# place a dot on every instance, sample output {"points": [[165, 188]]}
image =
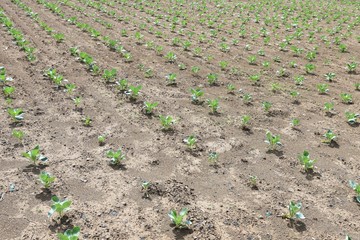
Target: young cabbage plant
{"points": [[346, 98], [145, 188], [295, 122], [18, 134], [122, 85], [330, 76], [70, 87], [77, 101], [356, 187], [16, 114], [231, 88], [253, 181], [351, 67], [101, 140], [306, 162], [322, 88], [166, 122], [245, 122], [116, 157], [213, 157], [109, 75], [213, 105], [179, 219], [171, 79], [87, 121], [149, 107], [329, 137], [352, 118], [196, 94], [357, 86], [46, 179], [59, 206], [34, 155], [266, 106], [133, 92], [273, 141], [212, 79], [328, 107], [70, 234], [191, 141], [294, 211], [247, 98], [8, 91]]}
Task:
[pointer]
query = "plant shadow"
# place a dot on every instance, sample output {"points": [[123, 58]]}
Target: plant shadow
{"points": [[311, 174], [278, 153], [35, 169], [45, 195], [297, 225], [334, 144], [119, 167], [180, 234], [61, 226]]}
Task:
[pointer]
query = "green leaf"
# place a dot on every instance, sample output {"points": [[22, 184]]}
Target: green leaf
{"points": [[299, 215]]}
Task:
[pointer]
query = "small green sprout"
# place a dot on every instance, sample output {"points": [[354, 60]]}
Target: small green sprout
{"points": [[179, 219], [322, 88], [69, 88], [351, 67], [213, 105], [196, 94], [195, 70], [70, 234], [294, 211], [231, 88], [352, 117], [247, 98], [330, 76], [167, 122], [306, 162], [295, 122], [134, 92], [59, 37], [329, 137], [266, 106], [213, 157], [299, 80], [346, 98], [122, 85], [59, 206], [255, 78], [109, 75], [145, 187], [116, 157], [46, 179], [357, 86], [356, 187], [18, 134], [191, 141], [272, 140], [77, 101], [16, 114], [8, 91], [101, 140], [310, 68], [245, 121], [212, 78], [253, 182], [34, 155], [171, 79], [328, 107], [87, 121], [149, 107]]}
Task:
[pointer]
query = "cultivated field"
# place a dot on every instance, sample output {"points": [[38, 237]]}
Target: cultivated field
{"points": [[238, 119]]}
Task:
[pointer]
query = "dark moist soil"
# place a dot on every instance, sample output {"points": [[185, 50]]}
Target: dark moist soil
{"points": [[108, 202]]}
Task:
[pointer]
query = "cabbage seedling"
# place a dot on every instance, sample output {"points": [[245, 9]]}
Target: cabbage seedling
{"points": [[266, 105], [213, 105], [328, 106], [16, 114], [294, 211], [352, 117], [166, 122], [34, 155], [59, 206], [171, 79], [196, 94], [306, 162], [357, 86], [101, 140], [346, 98], [245, 121], [191, 141], [133, 92], [179, 219], [123, 85], [18, 134], [351, 67], [253, 181], [247, 98], [8, 91], [213, 157], [330, 76], [77, 101], [46, 179], [356, 187], [145, 187], [70, 234], [322, 88], [109, 75], [329, 137], [231, 88], [295, 122], [212, 78], [70, 87], [87, 121], [59, 37], [272, 140], [116, 157], [309, 68], [149, 107]]}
